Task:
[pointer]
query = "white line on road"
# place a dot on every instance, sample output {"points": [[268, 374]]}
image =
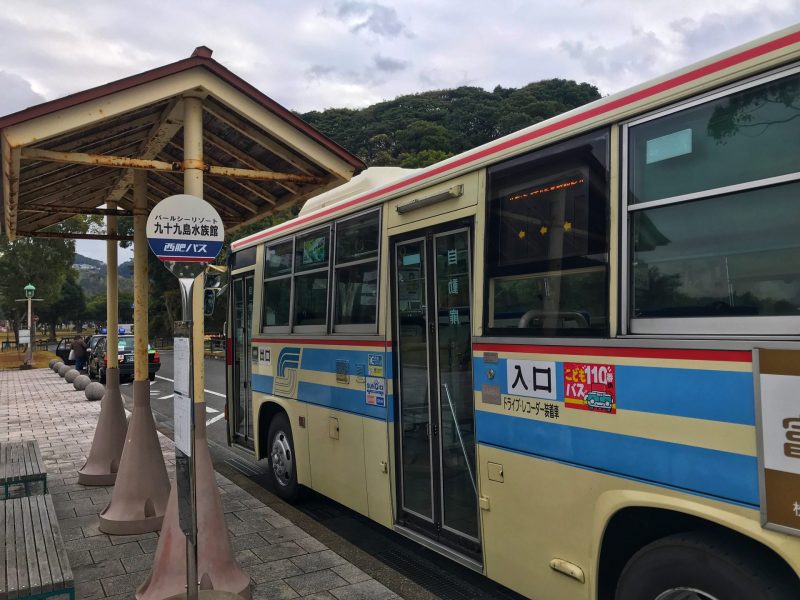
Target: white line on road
{"points": [[166, 397], [206, 391], [215, 419], [211, 410]]}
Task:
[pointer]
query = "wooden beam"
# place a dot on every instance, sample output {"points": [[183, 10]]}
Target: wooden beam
{"points": [[74, 210], [245, 159], [260, 138], [99, 160], [46, 169], [75, 236], [165, 128], [122, 162]]}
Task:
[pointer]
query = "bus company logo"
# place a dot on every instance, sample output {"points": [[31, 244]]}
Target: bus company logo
{"points": [[590, 387], [791, 448], [286, 373]]}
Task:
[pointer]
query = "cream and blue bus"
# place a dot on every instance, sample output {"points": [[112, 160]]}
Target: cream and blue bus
{"points": [[568, 359]]}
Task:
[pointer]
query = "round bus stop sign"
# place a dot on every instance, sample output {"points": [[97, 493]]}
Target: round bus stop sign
{"points": [[185, 228]]}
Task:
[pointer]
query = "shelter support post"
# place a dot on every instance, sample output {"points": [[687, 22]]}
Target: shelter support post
{"points": [[214, 567], [139, 499], [109, 436]]}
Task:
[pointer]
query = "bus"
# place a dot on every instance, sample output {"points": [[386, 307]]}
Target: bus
{"points": [[568, 359]]}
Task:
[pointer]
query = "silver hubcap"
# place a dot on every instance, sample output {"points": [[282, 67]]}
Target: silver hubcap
{"points": [[684, 593], [282, 459]]}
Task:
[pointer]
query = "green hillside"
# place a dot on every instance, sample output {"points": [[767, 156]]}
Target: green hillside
{"points": [[417, 130]]}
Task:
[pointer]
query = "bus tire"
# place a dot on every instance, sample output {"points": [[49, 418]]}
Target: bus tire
{"points": [[713, 565], [282, 463]]}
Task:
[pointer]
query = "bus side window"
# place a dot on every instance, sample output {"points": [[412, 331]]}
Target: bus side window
{"points": [[278, 285], [356, 273], [547, 253]]}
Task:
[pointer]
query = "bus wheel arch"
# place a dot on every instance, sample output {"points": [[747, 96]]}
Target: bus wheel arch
{"points": [[632, 530], [276, 444], [266, 413]]}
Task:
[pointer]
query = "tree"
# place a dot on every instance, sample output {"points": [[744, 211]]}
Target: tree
{"points": [[44, 263], [70, 305], [399, 131]]}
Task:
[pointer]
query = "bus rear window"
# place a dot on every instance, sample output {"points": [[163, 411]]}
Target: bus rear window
{"points": [[547, 247]]}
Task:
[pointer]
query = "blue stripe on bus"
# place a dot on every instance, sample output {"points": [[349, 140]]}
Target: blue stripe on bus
{"points": [[725, 396], [715, 395], [335, 399], [723, 475], [262, 383], [343, 399], [324, 359]]}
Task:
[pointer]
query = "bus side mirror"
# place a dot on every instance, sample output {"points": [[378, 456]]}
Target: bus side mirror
{"points": [[209, 300]]}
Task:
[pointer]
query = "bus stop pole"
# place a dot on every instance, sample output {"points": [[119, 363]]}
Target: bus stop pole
{"points": [[193, 185]]}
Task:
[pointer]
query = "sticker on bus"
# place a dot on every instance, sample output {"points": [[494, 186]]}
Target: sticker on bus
{"points": [[375, 364], [590, 387], [531, 378], [376, 391]]}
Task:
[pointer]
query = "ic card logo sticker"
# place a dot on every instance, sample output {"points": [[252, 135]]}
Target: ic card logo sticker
{"points": [[590, 387], [375, 364], [376, 391]]}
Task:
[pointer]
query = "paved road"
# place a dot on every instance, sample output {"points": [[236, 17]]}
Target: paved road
{"points": [[161, 395], [436, 577]]}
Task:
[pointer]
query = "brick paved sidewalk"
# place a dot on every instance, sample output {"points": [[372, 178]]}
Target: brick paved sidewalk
{"points": [[282, 559]]}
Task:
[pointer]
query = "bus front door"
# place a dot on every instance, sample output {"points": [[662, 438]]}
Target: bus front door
{"points": [[435, 422], [242, 394]]}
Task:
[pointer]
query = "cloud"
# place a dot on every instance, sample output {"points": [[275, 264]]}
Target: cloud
{"points": [[388, 64], [634, 58], [372, 17], [17, 93]]}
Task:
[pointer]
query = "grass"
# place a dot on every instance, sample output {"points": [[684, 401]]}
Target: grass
{"points": [[11, 359]]}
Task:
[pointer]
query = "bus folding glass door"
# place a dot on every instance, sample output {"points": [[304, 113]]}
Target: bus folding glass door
{"points": [[435, 416], [242, 371]]}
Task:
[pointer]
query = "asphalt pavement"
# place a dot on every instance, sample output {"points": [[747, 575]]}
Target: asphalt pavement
{"points": [[409, 569], [161, 395]]}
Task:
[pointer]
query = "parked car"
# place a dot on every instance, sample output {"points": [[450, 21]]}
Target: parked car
{"points": [[98, 360], [63, 348]]}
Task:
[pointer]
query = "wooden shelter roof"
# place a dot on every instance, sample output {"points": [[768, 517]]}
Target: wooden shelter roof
{"points": [[75, 154]]}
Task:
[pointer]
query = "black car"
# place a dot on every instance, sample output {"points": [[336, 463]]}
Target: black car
{"points": [[63, 349], [98, 359]]}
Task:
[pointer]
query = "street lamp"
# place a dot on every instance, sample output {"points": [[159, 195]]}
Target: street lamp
{"points": [[29, 292]]}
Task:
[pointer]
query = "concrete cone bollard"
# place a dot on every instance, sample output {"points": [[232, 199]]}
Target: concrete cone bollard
{"points": [[140, 495], [216, 567], [109, 437]]}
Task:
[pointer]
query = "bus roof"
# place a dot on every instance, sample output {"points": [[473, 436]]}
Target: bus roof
{"points": [[766, 52]]}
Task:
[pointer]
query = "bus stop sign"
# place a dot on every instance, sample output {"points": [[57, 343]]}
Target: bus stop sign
{"points": [[185, 229]]}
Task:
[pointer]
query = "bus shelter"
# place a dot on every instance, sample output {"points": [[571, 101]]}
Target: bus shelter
{"points": [[190, 127]]}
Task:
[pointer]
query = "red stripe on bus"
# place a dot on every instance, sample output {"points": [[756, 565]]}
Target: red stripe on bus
{"points": [[658, 88], [665, 353], [336, 342]]}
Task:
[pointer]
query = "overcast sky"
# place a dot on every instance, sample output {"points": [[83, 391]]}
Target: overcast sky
{"points": [[314, 54]]}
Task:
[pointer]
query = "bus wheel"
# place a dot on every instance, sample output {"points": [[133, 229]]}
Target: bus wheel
{"points": [[702, 566], [281, 458]]}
